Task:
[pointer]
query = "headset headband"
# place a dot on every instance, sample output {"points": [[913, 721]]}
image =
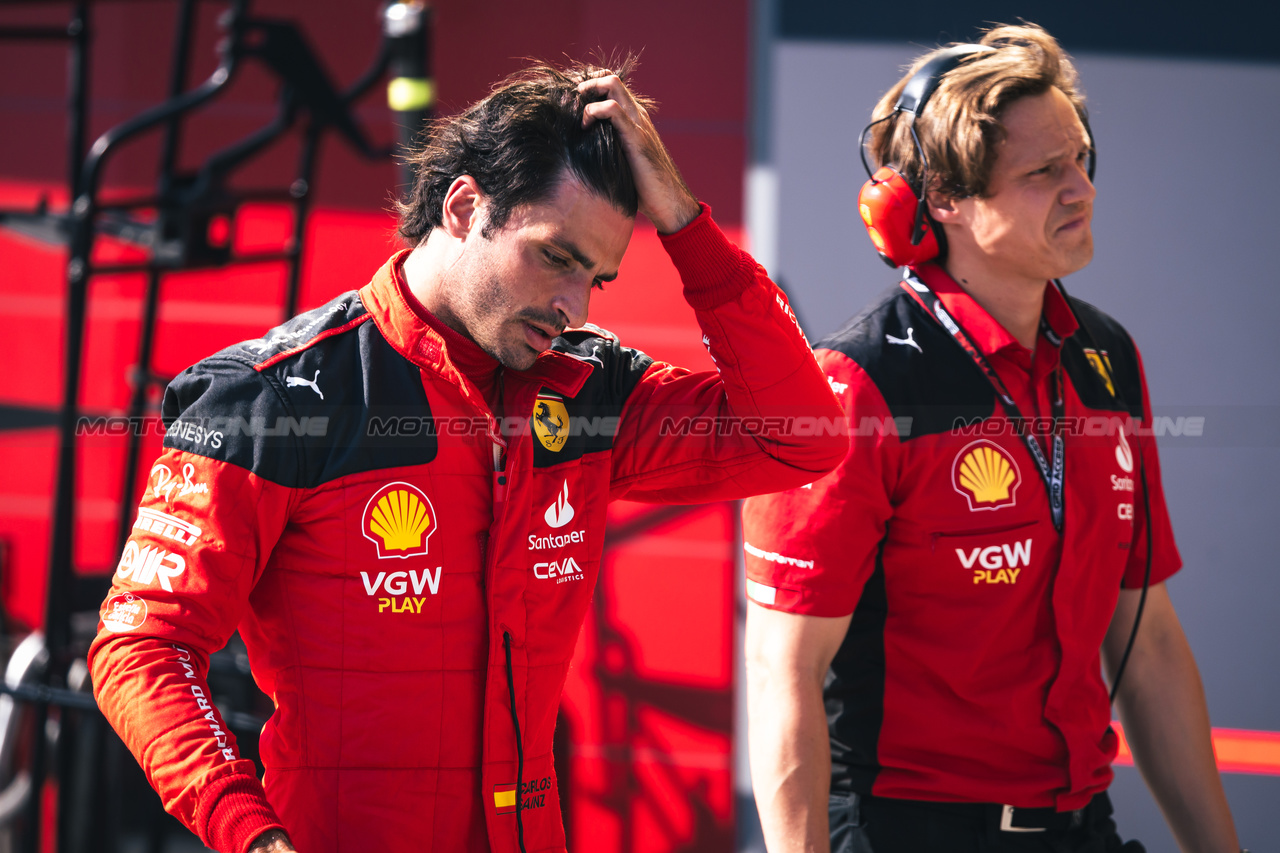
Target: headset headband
{"points": [[920, 88], [924, 82], [917, 92]]}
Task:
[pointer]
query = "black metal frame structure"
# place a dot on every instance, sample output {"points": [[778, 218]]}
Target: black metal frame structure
{"points": [[173, 227]]}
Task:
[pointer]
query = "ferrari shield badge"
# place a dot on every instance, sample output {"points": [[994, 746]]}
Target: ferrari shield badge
{"points": [[1101, 365], [551, 422]]}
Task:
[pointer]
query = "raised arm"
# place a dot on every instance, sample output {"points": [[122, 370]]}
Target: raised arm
{"points": [[767, 420]]}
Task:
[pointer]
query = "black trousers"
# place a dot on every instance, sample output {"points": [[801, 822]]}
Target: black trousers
{"points": [[866, 824]]}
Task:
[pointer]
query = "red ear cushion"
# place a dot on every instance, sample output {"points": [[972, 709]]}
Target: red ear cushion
{"points": [[887, 206]]}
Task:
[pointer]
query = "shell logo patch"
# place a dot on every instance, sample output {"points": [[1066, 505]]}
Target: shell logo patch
{"points": [[551, 422], [986, 475], [1101, 365], [399, 519]]}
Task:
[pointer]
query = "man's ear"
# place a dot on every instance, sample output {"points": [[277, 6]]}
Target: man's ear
{"points": [[464, 204], [943, 208]]}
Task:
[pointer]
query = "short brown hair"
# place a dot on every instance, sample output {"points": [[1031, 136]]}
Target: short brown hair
{"points": [[518, 143], [960, 125]]}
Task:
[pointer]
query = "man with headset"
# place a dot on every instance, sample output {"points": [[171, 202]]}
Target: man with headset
{"points": [[925, 623]]}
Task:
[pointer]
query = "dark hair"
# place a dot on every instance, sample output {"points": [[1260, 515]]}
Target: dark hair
{"points": [[517, 144], [960, 126]]}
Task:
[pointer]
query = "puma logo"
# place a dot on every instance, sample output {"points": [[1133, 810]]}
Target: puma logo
{"points": [[909, 340], [295, 381]]}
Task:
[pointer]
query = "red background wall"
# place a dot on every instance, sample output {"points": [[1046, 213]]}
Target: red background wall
{"points": [[694, 62], [648, 705]]}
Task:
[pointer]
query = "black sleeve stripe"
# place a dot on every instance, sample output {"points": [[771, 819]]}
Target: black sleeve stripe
{"points": [[221, 409]]}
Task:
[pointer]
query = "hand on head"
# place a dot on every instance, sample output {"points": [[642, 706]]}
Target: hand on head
{"points": [[664, 197]]}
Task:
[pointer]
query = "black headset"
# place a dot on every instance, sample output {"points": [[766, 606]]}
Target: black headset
{"points": [[893, 207]]}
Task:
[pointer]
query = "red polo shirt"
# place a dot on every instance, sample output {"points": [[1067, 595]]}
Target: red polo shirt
{"points": [[970, 672]]}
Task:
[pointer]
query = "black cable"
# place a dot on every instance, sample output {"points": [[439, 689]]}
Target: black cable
{"points": [[862, 142], [1146, 575], [42, 694], [917, 233], [1146, 505], [515, 721]]}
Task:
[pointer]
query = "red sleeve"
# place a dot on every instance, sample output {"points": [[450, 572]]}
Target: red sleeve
{"points": [[199, 544], [765, 421], [1165, 559], [810, 550]]}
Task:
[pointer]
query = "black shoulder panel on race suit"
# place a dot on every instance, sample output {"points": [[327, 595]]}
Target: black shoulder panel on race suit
{"points": [[593, 413], [309, 402]]}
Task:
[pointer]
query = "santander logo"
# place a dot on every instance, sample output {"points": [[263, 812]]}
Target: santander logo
{"points": [[560, 513], [1124, 455]]}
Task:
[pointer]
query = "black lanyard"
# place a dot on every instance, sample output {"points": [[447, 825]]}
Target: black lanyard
{"points": [[1053, 476]]}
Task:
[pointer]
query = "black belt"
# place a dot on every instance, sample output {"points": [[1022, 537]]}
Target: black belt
{"points": [[1008, 818], [1038, 820]]}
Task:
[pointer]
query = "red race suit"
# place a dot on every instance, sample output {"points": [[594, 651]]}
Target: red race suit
{"points": [[970, 671], [400, 564]]}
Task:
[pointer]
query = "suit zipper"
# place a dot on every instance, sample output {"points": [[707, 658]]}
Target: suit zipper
{"points": [[499, 445], [515, 723]]}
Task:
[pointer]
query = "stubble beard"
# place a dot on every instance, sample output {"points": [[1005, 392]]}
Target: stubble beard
{"points": [[492, 321], [483, 310], [496, 331]]}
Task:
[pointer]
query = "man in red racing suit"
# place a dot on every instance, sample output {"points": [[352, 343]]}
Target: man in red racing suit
{"points": [[399, 498]]}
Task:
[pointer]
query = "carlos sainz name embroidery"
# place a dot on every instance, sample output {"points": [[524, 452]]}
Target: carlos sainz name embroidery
{"points": [[533, 795]]}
